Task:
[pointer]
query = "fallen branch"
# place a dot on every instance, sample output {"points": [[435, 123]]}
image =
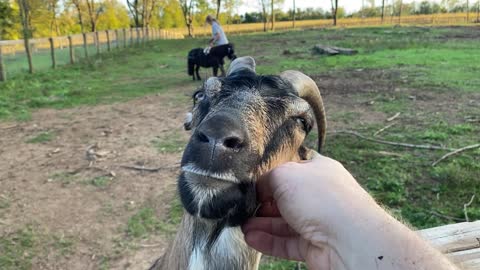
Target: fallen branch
{"points": [[149, 245], [393, 117], [435, 213], [9, 127], [144, 169], [456, 151], [93, 168], [408, 145], [382, 129], [465, 207]]}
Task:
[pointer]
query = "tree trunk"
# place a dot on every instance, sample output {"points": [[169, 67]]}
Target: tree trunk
{"points": [[80, 18], [219, 2], [383, 9], [293, 13], [24, 15], [272, 15], [478, 11], [400, 13], [334, 11], [3, 73], [468, 13]]}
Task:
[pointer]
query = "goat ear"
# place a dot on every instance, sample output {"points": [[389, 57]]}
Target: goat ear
{"points": [[306, 153], [245, 62]]}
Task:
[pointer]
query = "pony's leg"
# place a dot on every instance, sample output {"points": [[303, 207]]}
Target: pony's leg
{"points": [[196, 71], [222, 70], [215, 71]]}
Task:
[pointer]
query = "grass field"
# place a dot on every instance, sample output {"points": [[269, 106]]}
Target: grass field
{"points": [[428, 76]]}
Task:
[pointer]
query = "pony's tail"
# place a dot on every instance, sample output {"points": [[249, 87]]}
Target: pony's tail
{"points": [[191, 66]]}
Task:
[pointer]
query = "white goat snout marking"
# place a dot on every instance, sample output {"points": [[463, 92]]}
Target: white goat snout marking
{"points": [[188, 118]]}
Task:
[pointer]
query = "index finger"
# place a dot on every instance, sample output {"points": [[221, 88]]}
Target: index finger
{"points": [[268, 206], [264, 189]]}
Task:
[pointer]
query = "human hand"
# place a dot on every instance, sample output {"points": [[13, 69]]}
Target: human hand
{"points": [[304, 209]]}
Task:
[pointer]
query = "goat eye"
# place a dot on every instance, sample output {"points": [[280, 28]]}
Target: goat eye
{"points": [[301, 121], [199, 96]]}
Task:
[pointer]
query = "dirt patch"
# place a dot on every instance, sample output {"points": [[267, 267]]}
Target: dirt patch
{"points": [[49, 185], [460, 32]]}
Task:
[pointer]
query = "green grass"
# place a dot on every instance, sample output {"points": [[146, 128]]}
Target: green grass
{"points": [[171, 143], [404, 180], [42, 137], [100, 181], [269, 263], [19, 248], [143, 223]]}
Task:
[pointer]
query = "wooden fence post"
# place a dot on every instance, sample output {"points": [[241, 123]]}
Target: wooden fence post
{"points": [[131, 36], [138, 36], [97, 42], [70, 46], [52, 52], [117, 44], [85, 48], [124, 38], [108, 39], [3, 73], [144, 31]]}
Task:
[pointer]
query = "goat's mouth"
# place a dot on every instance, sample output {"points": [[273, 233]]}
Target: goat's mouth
{"points": [[193, 170], [219, 197]]}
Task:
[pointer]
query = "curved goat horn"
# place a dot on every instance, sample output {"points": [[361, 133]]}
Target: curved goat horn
{"points": [[245, 62], [307, 89]]}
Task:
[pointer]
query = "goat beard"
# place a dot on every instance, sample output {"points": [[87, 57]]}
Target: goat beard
{"points": [[237, 215]]}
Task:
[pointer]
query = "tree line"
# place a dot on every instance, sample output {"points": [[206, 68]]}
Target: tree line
{"points": [[46, 18]]}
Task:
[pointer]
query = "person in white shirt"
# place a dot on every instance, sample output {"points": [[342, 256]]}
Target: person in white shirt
{"points": [[219, 47], [218, 36]]}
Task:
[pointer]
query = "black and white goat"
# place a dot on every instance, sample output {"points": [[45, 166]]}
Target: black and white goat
{"points": [[243, 125]]}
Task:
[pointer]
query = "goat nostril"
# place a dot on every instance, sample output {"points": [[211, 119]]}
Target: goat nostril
{"points": [[202, 137], [234, 143]]}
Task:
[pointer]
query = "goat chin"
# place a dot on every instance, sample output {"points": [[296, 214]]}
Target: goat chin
{"points": [[225, 203]]}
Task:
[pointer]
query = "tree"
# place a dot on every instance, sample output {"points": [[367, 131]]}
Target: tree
{"points": [[383, 9], [293, 19], [273, 11], [52, 6], [334, 11], [93, 12], [134, 7], [25, 17], [7, 20], [187, 10], [78, 7], [219, 2], [263, 5]]}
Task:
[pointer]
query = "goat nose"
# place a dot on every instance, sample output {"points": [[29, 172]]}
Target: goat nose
{"points": [[223, 131]]}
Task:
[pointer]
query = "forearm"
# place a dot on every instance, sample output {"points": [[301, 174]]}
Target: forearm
{"points": [[378, 241]]}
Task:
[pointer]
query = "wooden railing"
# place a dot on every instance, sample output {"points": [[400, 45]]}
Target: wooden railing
{"points": [[461, 242]]}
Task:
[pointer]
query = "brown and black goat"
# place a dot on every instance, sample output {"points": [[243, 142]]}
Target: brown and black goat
{"points": [[243, 126]]}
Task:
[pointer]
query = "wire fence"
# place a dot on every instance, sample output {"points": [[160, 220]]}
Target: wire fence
{"points": [[58, 51]]}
